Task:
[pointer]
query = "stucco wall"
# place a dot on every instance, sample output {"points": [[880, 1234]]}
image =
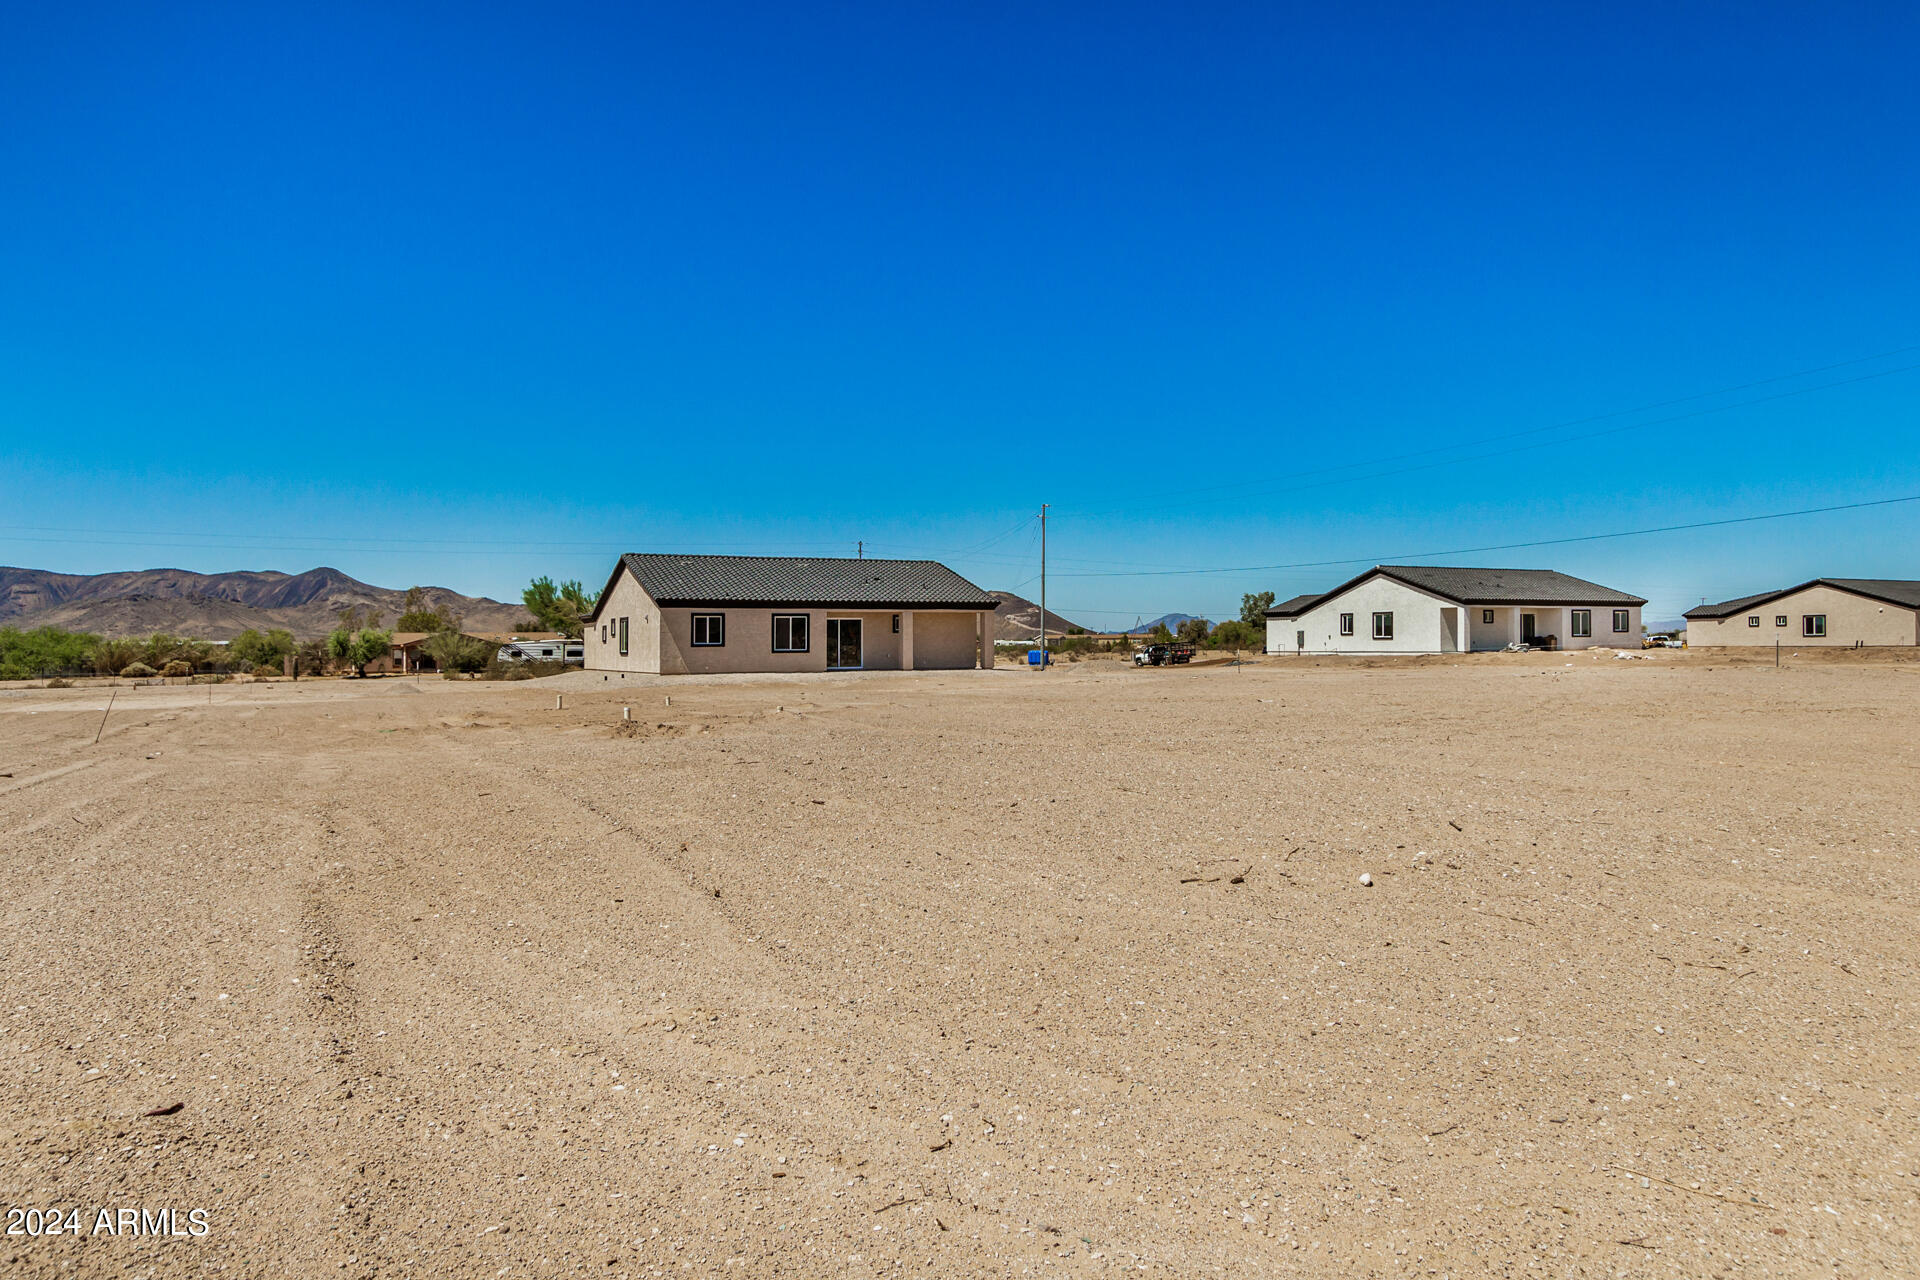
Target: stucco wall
{"points": [[627, 601], [1418, 623], [1851, 620], [946, 639]]}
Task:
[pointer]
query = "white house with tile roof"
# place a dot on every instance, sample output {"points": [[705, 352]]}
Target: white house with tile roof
{"points": [[1409, 609]]}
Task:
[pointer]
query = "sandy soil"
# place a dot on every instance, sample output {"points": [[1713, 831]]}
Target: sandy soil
{"points": [[974, 974]]}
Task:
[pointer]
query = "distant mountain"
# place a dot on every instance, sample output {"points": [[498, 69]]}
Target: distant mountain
{"points": [[1019, 618], [1171, 621], [217, 606]]}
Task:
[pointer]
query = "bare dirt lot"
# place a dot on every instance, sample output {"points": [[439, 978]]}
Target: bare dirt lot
{"points": [[978, 974]]}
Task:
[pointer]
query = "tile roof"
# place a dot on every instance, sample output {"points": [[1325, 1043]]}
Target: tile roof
{"points": [[1892, 590], [1506, 586], [791, 580], [1295, 607]]}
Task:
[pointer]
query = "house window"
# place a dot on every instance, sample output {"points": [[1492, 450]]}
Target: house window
{"points": [[1779, 619], [1754, 621], [1383, 626], [1582, 623], [709, 630], [1486, 617], [789, 633], [1813, 624], [896, 624], [1619, 621], [623, 637], [1346, 624]]}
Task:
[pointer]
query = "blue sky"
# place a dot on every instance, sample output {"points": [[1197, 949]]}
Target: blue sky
{"points": [[465, 294]]}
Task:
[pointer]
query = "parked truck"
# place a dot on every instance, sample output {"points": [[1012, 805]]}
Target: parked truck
{"points": [[1163, 655]]}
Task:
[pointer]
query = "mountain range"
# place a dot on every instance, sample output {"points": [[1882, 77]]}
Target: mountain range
{"points": [[218, 606], [1171, 621]]}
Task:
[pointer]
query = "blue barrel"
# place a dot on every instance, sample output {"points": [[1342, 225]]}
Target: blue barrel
{"points": [[1036, 657]]}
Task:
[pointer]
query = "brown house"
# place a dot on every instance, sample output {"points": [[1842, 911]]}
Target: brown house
{"points": [[678, 615], [1843, 612]]}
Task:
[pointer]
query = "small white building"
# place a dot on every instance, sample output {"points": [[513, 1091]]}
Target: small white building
{"points": [[1404, 609]]}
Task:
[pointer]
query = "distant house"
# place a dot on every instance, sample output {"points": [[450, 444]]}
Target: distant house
{"points": [[408, 654], [1843, 612], [1428, 609], [678, 615]]}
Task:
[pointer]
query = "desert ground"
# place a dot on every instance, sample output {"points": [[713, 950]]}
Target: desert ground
{"points": [[973, 974]]}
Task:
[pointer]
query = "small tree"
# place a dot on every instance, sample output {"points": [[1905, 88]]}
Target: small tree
{"points": [[1254, 606], [454, 652], [24, 654], [558, 608], [1160, 634], [357, 648], [109, 656], [417, 616], [1195, 631], [1236, 635], [310, 659], [268, 650]]}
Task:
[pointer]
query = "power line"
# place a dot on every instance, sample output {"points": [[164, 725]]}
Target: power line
{"points": [[1256, 486], [1505, 546]]}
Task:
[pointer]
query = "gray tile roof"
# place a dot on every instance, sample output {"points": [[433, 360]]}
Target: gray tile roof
{"points": [[1505, 586], [1295, 607], [1892, 590], [789, 580]]}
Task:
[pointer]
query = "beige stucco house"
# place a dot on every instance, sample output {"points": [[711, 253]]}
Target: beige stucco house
{"points": [[1841, 612], [687, 615], [1395, 608]]}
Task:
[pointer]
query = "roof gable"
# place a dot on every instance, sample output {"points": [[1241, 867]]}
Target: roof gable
{"points": [[678, 581], [1897, 591], [1475, 587]]}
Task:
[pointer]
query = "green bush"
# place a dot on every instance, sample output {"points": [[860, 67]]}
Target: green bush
{"points": [[59, 682], [138, 671], [25, 654]]}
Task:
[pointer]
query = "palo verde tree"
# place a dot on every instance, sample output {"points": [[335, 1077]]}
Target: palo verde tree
{"points": [[1195, 631], [1254, 606], [560, 608]]}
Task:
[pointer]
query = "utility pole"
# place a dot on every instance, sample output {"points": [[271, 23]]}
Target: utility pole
{"points": [[860, 550], [1045, 659]]}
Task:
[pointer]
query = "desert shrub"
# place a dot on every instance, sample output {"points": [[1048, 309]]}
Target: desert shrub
{"points": [[111, 655], [453, 652], [59, 682], [211, 677], [24, 654], [498, 670], [138, 671], [175, 669]]}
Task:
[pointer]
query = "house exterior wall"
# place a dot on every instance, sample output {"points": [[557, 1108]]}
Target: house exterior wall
{"points": [[1419, 624], [1851, 619], [1416, 621], [946, 639], [626, 600]]}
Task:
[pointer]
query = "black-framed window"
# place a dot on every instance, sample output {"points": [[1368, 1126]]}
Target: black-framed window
{"points": [[1813, 624], [1486, 617], [623, 637], [896, 624], [1346, 624], [1383, 626], [790, 633], [709, 630], [1581, 625], [603, 633], [1779, 619], [1754, 621], [1620, 617]]}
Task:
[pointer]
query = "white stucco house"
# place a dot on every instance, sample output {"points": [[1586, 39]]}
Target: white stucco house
{"points": [[1442, 609]]}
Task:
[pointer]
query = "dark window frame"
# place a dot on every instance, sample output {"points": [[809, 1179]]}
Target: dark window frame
{"points": [[1813, 625], [896, 624], [1380, 632], [715, 622], [806, 633], [1580, 624], [1622, 620], [1346, 624], [1753, 620], [623, 637], [1779, 619], [1486, 617]]}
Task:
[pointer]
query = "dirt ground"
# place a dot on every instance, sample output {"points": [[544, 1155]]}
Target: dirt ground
{"points": [[993, 973]]}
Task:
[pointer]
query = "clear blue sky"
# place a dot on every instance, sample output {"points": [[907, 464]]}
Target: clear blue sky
{"points": [[461, 294]]}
